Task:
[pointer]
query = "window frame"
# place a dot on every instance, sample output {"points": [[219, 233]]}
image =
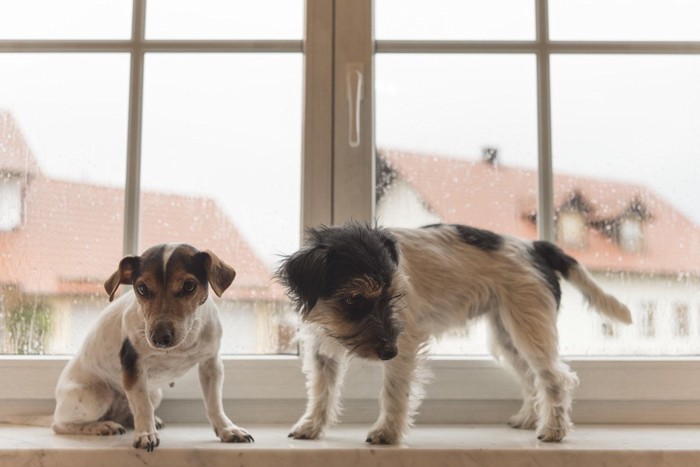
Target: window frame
{"points": [[337, 184]]}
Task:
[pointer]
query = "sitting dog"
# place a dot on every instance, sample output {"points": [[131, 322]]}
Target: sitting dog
{"points": [[380, 294], [146, 338]]}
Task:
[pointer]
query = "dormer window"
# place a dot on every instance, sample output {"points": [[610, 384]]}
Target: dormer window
{"points": [[10, 203], [571, 229], [629, 234]]}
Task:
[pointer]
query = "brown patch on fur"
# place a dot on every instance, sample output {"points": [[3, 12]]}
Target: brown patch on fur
{"points": [[361, 286]]}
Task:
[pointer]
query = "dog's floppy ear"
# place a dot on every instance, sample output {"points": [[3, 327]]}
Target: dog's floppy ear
{"points": [[391, 245], [125, 274], [304, 274], [219, 274]]}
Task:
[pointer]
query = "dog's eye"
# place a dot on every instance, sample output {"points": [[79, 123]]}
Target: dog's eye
{"points": [[188, 287], [142, 290], [352, 300]]}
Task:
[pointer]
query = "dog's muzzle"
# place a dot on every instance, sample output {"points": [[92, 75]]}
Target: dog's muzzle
{"points": [[387, 352], [163, 337]]}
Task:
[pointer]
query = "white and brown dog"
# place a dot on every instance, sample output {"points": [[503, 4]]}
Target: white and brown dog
{"points": [[381, 294], [145, 339]]}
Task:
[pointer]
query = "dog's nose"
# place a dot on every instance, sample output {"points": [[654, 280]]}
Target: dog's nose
{"points": [[162, 337], [388, 352]]}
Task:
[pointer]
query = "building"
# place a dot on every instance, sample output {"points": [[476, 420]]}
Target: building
{"points": [[59, 241], [640, 247]]}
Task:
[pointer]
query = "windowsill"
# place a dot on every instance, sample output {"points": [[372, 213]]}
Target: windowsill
{"points": [[444, 445]]}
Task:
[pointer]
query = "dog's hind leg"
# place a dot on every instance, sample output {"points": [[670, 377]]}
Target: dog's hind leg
{"points": [[534, 336], [324, 374], [80, 410], [502, 347]]}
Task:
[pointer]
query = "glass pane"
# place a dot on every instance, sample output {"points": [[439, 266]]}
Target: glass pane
{"points": [[65, 19], [225, 19], [62, 166], [455, 20], [626, 152], [624, 20], [457, 143], [221, 170]]}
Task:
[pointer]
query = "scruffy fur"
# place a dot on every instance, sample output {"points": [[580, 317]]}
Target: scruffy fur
{"points": [[382, 293], [148, 337]]}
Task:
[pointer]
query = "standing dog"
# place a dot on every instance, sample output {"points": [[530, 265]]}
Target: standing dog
{"points": [[381, 293], [149, 336]]}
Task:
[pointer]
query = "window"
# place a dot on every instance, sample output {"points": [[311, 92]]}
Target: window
{"points": [[120, 150], [503, 114], [10, 202]]}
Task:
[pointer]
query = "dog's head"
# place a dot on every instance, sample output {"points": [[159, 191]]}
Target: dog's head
{"points": [[343, 279], [170, 283]]}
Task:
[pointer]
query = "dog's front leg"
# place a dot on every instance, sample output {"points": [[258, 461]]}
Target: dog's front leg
{"points": [[145, 433], [324, 374], [401, 383], [211, 379]]}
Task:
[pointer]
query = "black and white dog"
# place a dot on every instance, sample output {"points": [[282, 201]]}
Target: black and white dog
{"points": [[382, 293]]}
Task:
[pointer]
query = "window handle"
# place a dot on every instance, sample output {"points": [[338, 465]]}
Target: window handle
{"points": [[354, 76]]}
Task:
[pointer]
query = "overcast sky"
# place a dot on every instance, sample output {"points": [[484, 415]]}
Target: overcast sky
{"points": [[229, 127]]}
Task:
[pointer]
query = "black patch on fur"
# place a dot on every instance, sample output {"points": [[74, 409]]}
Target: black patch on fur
{"points": [[129, 360], [554, 257], [549, 259], [484, 240], [333, 256]]}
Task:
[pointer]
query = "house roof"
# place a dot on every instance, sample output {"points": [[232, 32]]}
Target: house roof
{"points": [[71, 238], [504, 199]]}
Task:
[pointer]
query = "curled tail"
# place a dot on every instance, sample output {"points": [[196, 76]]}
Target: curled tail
{"points": [[577, 275]]}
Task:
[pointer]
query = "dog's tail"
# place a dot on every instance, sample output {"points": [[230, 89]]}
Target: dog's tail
{"points": [[576, 274]]}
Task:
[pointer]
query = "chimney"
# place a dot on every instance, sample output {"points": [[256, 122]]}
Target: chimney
{"points": [[490, 155]]}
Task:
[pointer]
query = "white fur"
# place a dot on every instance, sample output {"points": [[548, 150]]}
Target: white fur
{"points": [[446, 282], [90, 397]]}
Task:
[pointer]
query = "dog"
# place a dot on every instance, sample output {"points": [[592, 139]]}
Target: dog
{"points": [[146, 338], [381, 293]]}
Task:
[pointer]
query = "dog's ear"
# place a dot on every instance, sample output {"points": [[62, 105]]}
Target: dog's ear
{"points": [[391, 245], [304, 274], [125, 274], [219, 274]]}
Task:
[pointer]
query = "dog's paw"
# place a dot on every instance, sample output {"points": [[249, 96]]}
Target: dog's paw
{"points": [[233, 434], [523, 421], [106, 428], [159, 423], [305, 429], [382, 436], [147, 441], [551, 434]]}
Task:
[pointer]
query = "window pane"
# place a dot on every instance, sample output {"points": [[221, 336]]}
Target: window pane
{"points": [[65, 19], [625, 20], [224, 19], [221, 170], [626, 151], [455, 20], [63, 144], [457, 142]]}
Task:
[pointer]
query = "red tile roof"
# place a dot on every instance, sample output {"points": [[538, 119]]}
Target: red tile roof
{"points": [[503, 199], [71, 237]]}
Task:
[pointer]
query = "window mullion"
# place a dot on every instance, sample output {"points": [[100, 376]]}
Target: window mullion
{"points": [[545, 185], [133, 161], [353, 129]]}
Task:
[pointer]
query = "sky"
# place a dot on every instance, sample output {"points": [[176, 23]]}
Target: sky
{"points": [[229, 126]]}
